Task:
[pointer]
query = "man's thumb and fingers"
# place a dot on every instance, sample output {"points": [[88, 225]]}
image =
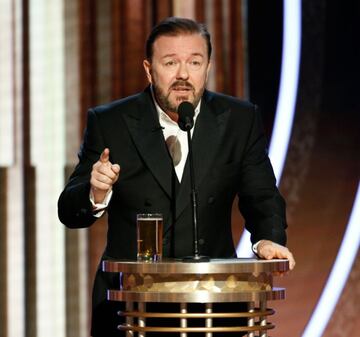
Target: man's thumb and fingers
{"points": [[104, 174], [270, 250]]}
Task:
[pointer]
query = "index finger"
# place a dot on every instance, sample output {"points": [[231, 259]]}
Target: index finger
{"points": [[104, 157]]}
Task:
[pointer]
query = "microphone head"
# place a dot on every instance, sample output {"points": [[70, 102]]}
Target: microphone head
{"points": [[186, 113]]}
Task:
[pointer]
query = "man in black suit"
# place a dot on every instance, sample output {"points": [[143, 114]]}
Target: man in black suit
{"points": [[134, 160]]}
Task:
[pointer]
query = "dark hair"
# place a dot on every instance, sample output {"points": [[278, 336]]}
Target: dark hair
{"points": [[173, 26]]}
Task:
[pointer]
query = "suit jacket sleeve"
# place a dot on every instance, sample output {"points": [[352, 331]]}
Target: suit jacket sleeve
{"points": [[259, 199], [74, 207]]}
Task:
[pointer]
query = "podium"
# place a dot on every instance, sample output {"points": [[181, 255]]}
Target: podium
{"points": [[246, 281]]}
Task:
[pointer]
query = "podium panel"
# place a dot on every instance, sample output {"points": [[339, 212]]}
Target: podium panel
{"points": [[248, 282]]}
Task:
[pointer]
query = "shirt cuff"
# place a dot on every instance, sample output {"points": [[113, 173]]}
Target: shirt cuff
{"points": [[255, 247], [99, 208]]}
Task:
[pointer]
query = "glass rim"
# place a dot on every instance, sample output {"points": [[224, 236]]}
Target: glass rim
{"points": [[149, 215]]}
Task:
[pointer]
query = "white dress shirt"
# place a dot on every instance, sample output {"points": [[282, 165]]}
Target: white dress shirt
{"points": [[171, 128]]}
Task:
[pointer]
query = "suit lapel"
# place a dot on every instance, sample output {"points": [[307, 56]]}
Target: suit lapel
{"points": [[208, 132], [144, 127]]}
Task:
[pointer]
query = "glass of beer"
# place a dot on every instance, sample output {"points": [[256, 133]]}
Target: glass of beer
{"points": [[149, 231]]}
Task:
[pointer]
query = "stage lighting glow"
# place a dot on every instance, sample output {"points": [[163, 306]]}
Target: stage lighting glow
{"points": [[339, 274], [286, 101], [285, 110]]}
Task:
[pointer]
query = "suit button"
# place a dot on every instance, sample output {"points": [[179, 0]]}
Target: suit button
{"points": [[201, 241], [148, 203], [211, 200], [81, 212]]}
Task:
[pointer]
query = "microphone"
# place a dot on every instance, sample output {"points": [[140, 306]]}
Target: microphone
{"points": [[186, 116], [186, 122]]}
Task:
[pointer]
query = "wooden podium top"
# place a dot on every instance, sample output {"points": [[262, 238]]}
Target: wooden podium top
{"points": [[215, 266]]}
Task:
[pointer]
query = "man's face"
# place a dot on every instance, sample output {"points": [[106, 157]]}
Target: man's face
{"points": [[178, 70]]}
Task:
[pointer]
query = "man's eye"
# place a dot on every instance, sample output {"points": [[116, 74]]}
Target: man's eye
{"points": [[170, 63], [195, 64]]}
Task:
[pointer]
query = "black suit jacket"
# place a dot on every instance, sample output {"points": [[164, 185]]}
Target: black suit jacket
{"points": [[230, 158]]}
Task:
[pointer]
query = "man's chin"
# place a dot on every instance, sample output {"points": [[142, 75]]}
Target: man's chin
{"points": [[173, 101], [184, 98]]}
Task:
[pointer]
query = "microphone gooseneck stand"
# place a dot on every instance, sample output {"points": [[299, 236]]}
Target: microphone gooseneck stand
{"points": [[186, 113]]}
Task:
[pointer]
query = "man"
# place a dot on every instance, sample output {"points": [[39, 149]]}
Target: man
{"points": [[125, 164]]}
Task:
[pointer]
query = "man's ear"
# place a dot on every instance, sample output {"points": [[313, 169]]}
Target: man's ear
{"points": [[147, 67]]}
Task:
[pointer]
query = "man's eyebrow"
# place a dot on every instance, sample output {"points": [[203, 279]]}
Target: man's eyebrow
{"points": [[173, 54], [168, 55], [197, 54]]}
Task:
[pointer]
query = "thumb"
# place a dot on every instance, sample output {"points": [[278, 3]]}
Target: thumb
{"points": [[104, 157], [115, 168]]}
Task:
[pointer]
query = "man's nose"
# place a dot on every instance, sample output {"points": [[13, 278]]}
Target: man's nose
{"points": [[182, 72]]}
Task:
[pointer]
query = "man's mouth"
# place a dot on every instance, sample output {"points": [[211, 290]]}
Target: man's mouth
{"points": [[181, 88]]}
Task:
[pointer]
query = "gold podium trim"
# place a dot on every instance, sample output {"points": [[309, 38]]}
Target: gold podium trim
{"points": [[196, 297], [254, 328], [254, 313]]}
